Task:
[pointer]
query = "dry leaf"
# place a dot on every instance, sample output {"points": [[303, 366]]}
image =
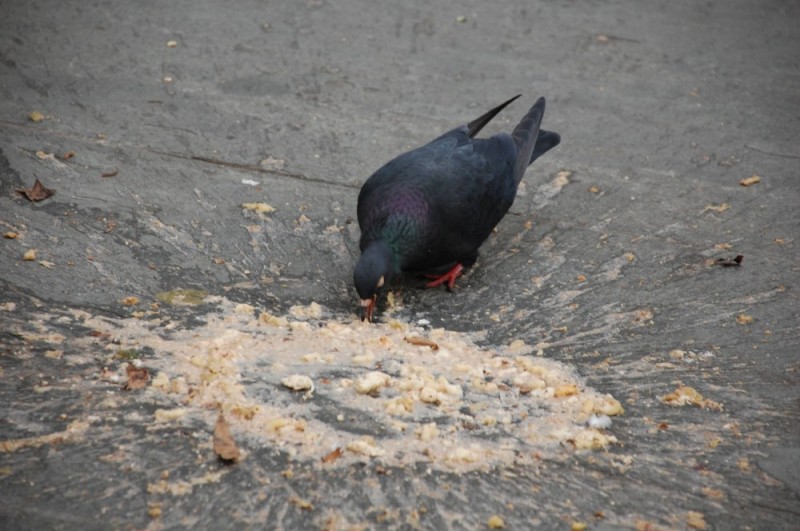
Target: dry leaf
{"points": [[730, 262], [137, 377], [224, 445], [37, 193], [744, 319], [130, 301], [750, 180], [333, 456], [422, 342]]}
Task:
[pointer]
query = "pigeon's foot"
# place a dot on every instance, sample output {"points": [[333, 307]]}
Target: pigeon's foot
{"points": [[449, 277]]}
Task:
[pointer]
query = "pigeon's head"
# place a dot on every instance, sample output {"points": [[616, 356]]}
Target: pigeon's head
{"points": [[372, 272]]}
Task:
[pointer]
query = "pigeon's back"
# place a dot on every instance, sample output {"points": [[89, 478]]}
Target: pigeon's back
{"points": [[437, 204]]}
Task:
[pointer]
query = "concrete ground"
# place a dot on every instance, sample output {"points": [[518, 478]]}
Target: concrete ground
{"points": [[158, 117]]}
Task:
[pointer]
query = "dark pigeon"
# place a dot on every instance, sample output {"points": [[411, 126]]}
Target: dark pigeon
{"points": [[430, 209]]}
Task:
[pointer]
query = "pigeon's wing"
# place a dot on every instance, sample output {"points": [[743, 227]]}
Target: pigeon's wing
{"points": [[477, 124], [469, 187]]}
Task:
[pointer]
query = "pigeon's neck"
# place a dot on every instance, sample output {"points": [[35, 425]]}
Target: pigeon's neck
{"points": [[381, 252]]}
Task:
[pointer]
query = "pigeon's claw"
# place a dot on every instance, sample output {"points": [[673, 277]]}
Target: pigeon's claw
{"points": [[449, 277]]}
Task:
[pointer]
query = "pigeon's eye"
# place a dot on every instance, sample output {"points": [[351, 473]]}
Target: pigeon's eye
{"points": [[380, 282]]}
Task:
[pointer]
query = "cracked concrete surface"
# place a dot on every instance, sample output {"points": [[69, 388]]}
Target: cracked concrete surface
{"points": [[605, 261]]}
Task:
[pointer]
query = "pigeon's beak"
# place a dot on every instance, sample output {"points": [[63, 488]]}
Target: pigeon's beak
{"points": [[367, 305]]}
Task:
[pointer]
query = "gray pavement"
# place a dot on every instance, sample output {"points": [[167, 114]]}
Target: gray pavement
{"points": [[606, 260]]}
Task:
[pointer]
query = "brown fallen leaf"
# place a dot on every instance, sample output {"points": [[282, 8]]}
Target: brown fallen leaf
{"points": [[333, 456], [422, 342], [137, 377], [112, 173], [729, 262], [224, 445], [36, 193]]}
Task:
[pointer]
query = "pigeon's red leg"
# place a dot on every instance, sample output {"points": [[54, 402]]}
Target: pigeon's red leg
{"points": [[449, 277]]}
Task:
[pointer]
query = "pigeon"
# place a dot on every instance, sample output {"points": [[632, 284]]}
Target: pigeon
{"points": [[429, 210]]}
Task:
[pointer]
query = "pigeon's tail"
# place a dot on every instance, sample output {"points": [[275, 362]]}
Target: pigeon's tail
{"points": [[477, 124], [546, 141], [526, 135]]}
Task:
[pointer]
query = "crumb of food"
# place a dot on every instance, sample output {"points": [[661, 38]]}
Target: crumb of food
{"points": [[161, 381], [495, 522], [599, 421], [168, 415], [372, 382], [467, 407], [130, 301], [312, 311], [268, 318], [578, 526], [30, 255], [36, 116], [298, 382], [565, 390], [365, 446], [427, 432], [592, 439], [246, 309], [684, 396], [10, 235], [749, 181], [744, 319], [696, 520], [258, 208]]}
